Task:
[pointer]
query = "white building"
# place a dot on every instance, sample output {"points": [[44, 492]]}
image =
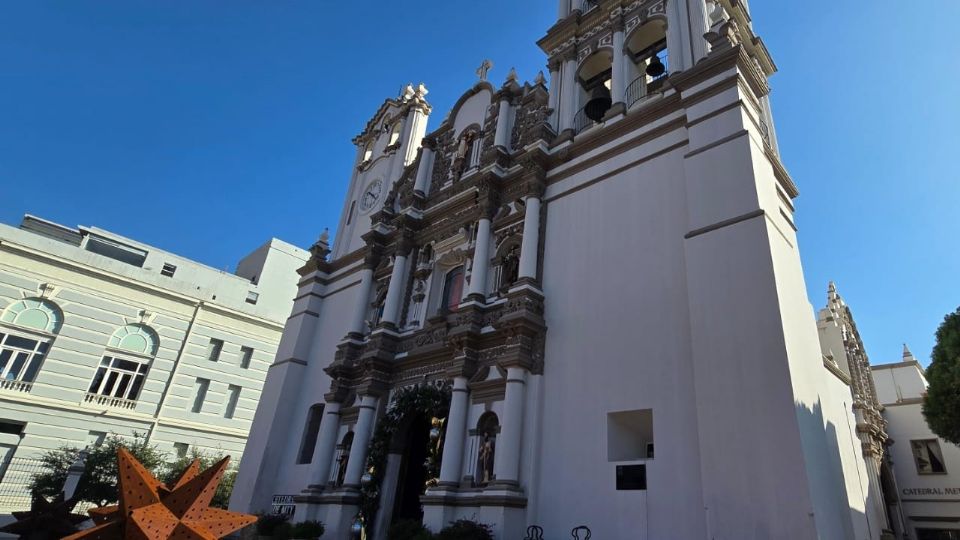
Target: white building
{"points": [[927, 468], [101, 334], [604, 275]]}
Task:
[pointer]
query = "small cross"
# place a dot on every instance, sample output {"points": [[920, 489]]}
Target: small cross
{"points": [[483, 69]]}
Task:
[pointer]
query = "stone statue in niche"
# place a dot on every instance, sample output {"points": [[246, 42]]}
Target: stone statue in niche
{"points": [[486, 460], [420, 274], [342, 460], [510, 268], [464, 155], [376, 307]]}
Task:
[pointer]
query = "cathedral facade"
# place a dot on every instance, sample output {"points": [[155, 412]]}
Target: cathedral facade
{"points": [[577, 301]]}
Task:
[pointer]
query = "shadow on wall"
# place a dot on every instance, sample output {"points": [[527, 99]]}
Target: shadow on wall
{"points": [[822, 446]]}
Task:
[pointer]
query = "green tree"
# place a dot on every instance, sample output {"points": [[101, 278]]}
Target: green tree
{"points": [[171, 471], [941, 406], [98, 485]]}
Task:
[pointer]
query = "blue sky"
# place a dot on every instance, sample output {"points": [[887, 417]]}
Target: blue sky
{"points": [[206, 127]]}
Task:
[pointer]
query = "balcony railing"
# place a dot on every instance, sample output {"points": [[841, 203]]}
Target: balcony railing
{"points": [[581, 121], [645, 86], [108, 401], [15, 386]]}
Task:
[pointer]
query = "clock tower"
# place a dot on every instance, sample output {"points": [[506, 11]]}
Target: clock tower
{"points": [[388, 144]]}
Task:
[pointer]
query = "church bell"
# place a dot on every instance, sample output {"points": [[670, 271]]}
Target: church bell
{"points": [[600, 102], [656, 67]]}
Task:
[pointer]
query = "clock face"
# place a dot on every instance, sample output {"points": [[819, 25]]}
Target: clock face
{"points": [[371, 195]]}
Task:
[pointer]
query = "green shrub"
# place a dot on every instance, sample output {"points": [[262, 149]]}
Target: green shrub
{"points": [[307, 529], [408, 529], [98, 485], [267, 524], [465, 529]]}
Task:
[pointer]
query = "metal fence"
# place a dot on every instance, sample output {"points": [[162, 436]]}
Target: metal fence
{"points": [[15, 477], [17, 474]]}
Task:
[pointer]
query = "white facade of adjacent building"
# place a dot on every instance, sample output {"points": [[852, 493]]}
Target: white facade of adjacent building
{"points": [[100, 335], [604, 273], [926, 467]]}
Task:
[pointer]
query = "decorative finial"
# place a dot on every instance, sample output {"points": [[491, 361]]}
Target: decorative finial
{"points": [[512, 76], [422, 90], [484, 68], [541, 80], [325, 235], [907, 355]]}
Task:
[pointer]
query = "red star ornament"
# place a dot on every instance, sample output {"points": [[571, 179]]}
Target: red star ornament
{"points": [[150, 510]]}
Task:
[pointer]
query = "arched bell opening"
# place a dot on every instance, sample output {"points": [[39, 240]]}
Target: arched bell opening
{"points": [[594, 83], [647, 62], [411, 441]]}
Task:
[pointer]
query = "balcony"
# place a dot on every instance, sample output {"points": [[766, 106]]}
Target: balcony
{"points": [[15, 386], [108, 401]]}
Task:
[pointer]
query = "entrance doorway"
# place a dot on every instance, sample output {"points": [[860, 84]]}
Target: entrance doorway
{"points": [[413, 471]]}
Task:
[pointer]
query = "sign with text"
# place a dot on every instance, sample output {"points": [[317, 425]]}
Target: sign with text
{"points": [[283, 504], [913, 492]]}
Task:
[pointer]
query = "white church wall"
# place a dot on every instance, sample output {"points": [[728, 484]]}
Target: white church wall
{"points": [[616, 343], [847, 464]]}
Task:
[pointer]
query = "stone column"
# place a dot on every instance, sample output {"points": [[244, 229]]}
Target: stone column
{"points": [[357, 461], [507, 462], [675, 42], [326, 444], [698, 27], [425, 168], [530, 247], [568, 91], [554, 90], [502, 135], [398, 283], [452, 461], [619, 77], [358, 324], [481, 261]]}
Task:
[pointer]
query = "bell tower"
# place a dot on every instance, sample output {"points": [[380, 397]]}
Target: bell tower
{"points": [[388, 144]]}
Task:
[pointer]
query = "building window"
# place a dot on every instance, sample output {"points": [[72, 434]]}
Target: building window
{"points": [[214, 349], [395, 133], [180, 449], [452, 289], [367, 152], [252, 297], [168, 270], [200, 393], [310, 433], [353, 206], [95, 438], [20, 358], [119, 378], [11, 428], [928, 457], [233, 395], [246, 355]]}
